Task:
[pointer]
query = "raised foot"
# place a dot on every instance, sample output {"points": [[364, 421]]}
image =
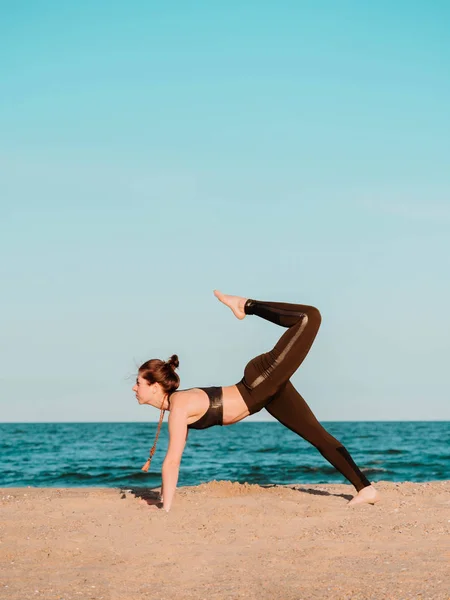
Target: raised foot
{"points": [[236, 303], [368, 495]]}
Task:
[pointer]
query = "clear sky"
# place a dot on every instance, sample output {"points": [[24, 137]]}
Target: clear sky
{"points": [[291, 151]]}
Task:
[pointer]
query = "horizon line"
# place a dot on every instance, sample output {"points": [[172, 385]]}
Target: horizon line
{"points": [[253, 422]]}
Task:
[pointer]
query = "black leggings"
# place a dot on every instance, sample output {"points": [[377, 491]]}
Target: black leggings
{"points": [[266, 382]]}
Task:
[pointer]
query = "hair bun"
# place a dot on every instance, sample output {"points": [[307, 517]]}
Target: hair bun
{"points": [[173, 361]]}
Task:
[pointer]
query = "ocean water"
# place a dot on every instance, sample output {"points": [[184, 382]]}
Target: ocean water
{"points": [[112, 454]]}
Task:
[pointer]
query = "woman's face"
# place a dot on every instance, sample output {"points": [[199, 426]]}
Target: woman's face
{"points": [[142, 390]]}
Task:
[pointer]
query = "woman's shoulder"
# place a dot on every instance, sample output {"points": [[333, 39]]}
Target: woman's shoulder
{"points": [[191, 400], [180, 397]]}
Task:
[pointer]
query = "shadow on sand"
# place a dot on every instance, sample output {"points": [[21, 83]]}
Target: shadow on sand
{"points": [[152, 497], [312, 491], [146, 494]]}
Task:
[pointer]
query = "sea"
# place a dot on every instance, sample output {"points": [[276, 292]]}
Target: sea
{"points": [[112, 454]]}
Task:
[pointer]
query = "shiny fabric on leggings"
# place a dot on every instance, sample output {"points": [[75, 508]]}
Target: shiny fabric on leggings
{"points": [[266, 384]]}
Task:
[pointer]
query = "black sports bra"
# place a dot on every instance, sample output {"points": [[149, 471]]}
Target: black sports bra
{"points": [[214, 414]]}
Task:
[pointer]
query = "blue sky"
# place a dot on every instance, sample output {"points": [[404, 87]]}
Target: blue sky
{"points": [[292, 151]]}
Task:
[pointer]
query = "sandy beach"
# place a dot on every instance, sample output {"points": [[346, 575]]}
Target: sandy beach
{"points": [[225, 540]]}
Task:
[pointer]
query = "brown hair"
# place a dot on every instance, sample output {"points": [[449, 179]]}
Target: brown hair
{"points": [[159, 371]]}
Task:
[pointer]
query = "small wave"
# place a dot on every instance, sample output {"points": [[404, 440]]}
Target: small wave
{"points": [[130, 468], [322, 470], [370, 470], [408, 464], [257, 468], [438, 456], [143, 480], [73, 476], [388, 451], [77, 476]]}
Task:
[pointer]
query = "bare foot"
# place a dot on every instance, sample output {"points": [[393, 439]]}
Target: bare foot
{"points": [[368, 495], [236, 303]]}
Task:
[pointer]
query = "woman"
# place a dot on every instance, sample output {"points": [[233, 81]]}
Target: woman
{"points": [[265, 384]]}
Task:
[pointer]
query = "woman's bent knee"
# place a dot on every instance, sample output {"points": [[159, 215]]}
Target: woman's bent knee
{"points": [[314, 316]]}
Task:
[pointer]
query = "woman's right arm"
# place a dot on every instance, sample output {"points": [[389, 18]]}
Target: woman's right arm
{"points": [[161, 495], [171, 465]]}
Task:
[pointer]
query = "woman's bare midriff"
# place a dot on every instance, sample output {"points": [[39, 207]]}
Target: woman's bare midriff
{"points": [[234, 407]]}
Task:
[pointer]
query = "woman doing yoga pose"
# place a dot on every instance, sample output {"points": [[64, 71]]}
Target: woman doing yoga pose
{"points": [[265, 384]]}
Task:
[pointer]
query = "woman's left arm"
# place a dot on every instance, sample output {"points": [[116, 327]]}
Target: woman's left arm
{"points": [[171, 465]]}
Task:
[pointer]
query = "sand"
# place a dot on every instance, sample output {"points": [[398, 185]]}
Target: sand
{"points": [[226, 540]]}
